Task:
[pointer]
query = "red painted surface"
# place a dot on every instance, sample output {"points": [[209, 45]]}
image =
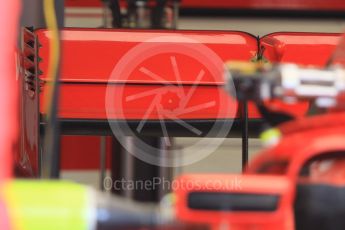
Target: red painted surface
{"points": [[300, 48], [245, 4], [83, 3], [311, 123], [83, 152], [324, 134], [91, 57]]}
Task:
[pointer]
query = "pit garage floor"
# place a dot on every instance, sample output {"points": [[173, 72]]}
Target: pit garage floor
{"points": [[227, 158]]}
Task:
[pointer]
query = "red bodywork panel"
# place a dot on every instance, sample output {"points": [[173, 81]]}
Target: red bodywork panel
{"points": [[90, 57], [300, 48], [83, 152], [82, 73], [323, 134], [321, 5]]}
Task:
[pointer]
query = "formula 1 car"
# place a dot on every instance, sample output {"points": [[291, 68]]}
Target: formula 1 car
{"points": [[298, 181]]}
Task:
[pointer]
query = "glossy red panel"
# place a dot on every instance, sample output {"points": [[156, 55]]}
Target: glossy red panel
{"points": [[82, 3], [300, 48], [87, 102], [135, 62], [82, 152], [91, 55]]}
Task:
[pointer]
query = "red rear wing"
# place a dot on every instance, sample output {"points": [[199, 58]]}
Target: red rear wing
{"points": [[90, 57]]}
